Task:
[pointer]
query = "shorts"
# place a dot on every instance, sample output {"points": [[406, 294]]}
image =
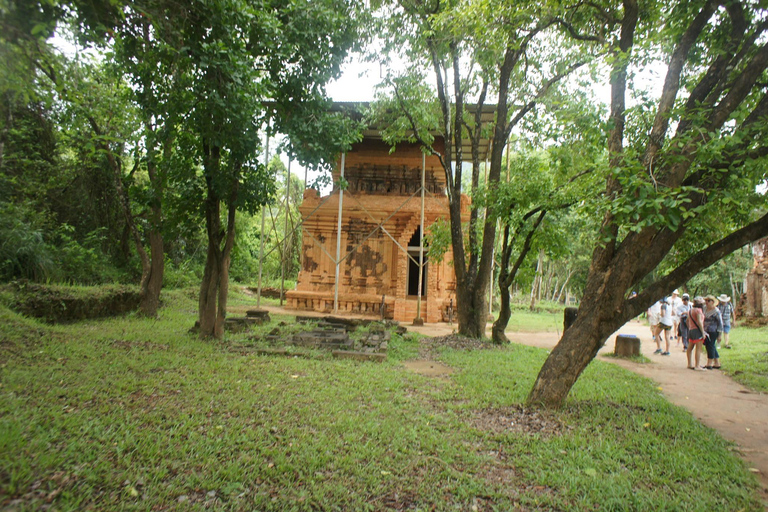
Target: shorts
{"points": [[665, 327], [700, 340], [727, 328]]}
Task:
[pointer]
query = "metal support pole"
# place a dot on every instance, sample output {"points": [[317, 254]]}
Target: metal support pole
{"points": [[338, 238], [261, 235], [418, 320], [490, 288], [285, 232]]}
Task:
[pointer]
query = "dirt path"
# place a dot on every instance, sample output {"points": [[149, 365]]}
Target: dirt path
{"points": [[740, 415]]}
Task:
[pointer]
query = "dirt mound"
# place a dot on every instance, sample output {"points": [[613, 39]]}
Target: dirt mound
{"points": [[58, 304], [519, 419], [429, 347], [458, 342]]}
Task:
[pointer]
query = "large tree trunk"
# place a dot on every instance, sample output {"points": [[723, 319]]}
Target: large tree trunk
{"points": [[471, 312], [605, 306], [600, 314]]}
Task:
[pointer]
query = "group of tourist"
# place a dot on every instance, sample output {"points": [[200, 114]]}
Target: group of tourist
{"points": [[692, 323]]}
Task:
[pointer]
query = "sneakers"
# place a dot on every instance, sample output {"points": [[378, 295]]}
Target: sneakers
{"points": [[657, 351], [665, 353]]}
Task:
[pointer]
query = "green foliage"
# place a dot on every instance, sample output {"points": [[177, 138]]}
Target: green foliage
{"points": [[726, 276], [84, 262], [438, 240]]}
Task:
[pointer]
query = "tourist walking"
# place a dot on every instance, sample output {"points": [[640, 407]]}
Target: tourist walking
{"points": [[728, 315], [653, 320], [665, 326], [713, 326], [682, 314], [674, 303], [695, 332]]}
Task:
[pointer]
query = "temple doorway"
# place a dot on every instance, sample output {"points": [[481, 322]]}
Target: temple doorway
{"points": [[414, 260]]}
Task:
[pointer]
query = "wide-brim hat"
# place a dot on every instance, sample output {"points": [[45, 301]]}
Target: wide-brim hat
{"points": [[712, 298], [723, 298], [675, 292]]}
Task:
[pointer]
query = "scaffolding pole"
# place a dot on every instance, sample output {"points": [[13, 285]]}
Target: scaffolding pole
{"points": [[285, 231], [418, 320], [338, 238], [263, 221]]}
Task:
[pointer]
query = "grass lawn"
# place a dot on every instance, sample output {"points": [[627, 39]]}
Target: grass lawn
{"points": [[137, 414], [747, 362]]}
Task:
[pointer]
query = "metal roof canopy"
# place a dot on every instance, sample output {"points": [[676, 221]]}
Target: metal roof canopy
{"points": [[487, 117]]}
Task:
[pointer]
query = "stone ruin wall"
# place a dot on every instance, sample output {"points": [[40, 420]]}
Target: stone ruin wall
{"points": [[755, 304]]}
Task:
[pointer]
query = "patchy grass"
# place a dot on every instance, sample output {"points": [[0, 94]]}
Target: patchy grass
{"points": [[528, 321], [641, 359], [747, 362], [136, 414]]}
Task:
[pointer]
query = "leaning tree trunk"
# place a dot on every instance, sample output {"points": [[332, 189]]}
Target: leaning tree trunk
{"points": [[603, 310], [214, 289], [209, 288], [498, 334], [212, 303], [150, 293], [153, 284], [507, 274]]}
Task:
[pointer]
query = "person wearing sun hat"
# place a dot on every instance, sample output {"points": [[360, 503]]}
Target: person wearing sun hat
{"points": [[728, 315], [713, 325]]}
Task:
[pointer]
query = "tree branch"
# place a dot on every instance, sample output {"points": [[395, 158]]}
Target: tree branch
{"points": [[701, 260]]}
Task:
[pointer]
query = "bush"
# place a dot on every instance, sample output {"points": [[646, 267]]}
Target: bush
{"points": [[24, 254]]}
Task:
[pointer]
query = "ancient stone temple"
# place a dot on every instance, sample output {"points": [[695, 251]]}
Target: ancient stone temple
{"points": [[756, 286], [380, 236]]}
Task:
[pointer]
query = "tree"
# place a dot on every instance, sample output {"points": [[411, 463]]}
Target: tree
{"points": [[248, 66], [480, 54], [682, 171], [564, 176]]}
